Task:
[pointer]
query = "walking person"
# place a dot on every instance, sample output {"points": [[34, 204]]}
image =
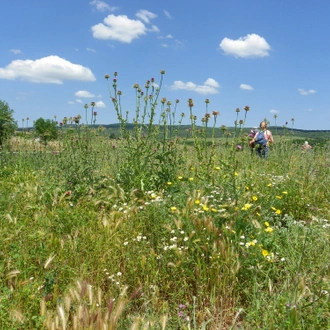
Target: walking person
{"points": [[262, 140]]}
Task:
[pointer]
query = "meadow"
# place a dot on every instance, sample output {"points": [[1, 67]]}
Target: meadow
{"points": [[159, 230]]}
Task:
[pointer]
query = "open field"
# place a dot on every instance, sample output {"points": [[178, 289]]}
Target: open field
{"points": [[152, 232]]}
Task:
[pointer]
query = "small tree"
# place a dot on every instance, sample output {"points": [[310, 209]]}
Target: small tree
{"points": [[7, 122], [46, 129]]}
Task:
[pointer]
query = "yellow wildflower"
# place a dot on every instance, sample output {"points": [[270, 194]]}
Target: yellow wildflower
{"points": [[169, 183], [254, 198], [205, 208], [279, 197], [269, 230], [180, 177], [246, 207], [173, 208], [269, 185], [284, 192], [197, 201], [217, 168], [278, 211], [235, 173], [191, 179], [265, 253]]}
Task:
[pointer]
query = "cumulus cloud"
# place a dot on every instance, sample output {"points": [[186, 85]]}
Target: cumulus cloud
{"points": [[100, 104], [119, 28], [251, 45], [246, 87], [84, 94], [303, 92], [51, 69], [145, 15], [124, 29], [212, 83], [102, 6], [210, 86], [79, 101], [16, 51]]}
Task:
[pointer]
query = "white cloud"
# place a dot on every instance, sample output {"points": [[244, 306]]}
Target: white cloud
{"points": [[145, 15], [91, 50], [100, 104], [167, 14], [154, 28], [16, 51], [164, 45], [303, 92], [251, 45], [209, 87], [211, 83], [169, 36], [102, 6], [51, 69], [275, 112], [246, 87], [119, 28], [70, 102], [84, 94], [79, 101]]}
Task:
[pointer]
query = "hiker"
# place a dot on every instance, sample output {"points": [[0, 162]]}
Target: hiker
{"points": [[306, 146], [262, 140]]}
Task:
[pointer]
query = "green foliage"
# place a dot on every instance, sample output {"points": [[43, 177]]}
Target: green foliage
{"points": [[152, 230], [7, 123], [46, 129]]}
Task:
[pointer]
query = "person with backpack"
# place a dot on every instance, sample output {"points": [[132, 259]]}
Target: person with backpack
{"points": [[262, 140]]}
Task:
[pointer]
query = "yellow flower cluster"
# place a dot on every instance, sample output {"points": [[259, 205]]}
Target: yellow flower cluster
{"points": [[268, 229], [246, 207]]}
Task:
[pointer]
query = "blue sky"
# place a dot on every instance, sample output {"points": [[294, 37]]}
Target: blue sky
{"points": [[272, 55]]}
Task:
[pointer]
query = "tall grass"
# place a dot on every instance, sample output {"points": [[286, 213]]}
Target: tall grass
{"points": [[153, 231]]}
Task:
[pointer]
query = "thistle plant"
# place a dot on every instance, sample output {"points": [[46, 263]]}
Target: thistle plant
{"points": [[155, 155]]}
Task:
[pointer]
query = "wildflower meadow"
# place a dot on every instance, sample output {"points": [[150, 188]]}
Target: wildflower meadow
{"points": [[161, 226]]}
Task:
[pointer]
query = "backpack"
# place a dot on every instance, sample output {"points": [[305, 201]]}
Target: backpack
{"points": [[260, 139]]}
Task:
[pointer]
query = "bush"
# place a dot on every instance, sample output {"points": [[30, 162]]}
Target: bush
{"points": [[7, 123], [46, 129]]}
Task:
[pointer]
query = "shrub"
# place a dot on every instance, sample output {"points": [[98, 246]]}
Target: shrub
{"points": [[7, 123], [46, 129]]}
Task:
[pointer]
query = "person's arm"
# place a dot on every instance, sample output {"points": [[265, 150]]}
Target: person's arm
{"points": [[270, 136]]}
